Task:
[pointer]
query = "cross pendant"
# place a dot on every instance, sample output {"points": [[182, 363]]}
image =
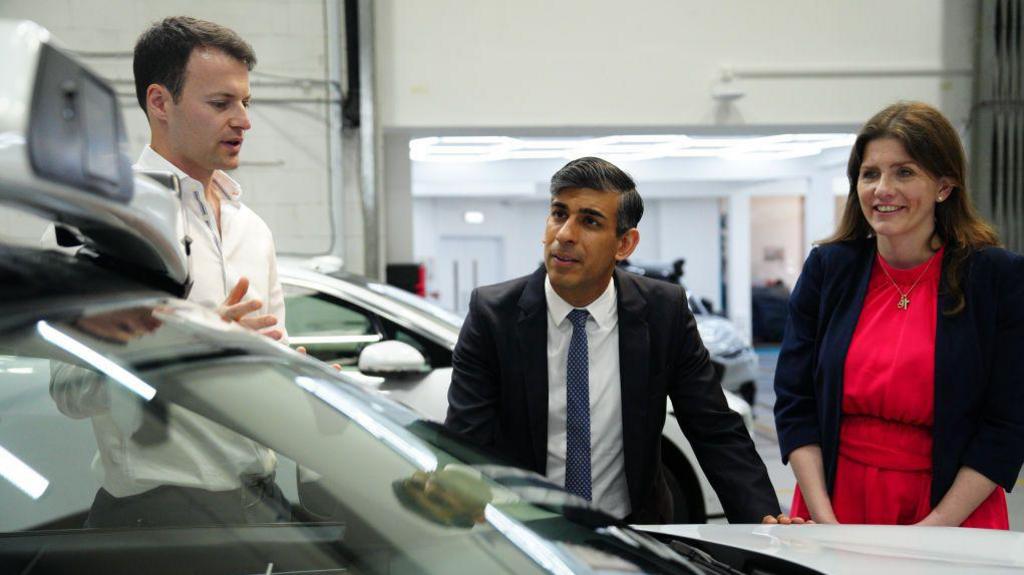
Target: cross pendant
{"points": [[904, 302]]}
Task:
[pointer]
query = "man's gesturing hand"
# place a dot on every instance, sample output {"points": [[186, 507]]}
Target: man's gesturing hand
{"points": [[235, 308]]}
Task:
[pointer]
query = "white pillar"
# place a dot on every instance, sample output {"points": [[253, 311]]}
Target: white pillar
{"points": [[738, 263], [819, 209], [397, 193]]}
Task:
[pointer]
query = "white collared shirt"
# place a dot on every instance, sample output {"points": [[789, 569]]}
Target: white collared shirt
{"points": [[200, 453], [607, 462], [243, 247]]}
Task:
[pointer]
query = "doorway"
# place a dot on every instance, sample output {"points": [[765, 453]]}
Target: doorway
{"points": [[465, 263]]}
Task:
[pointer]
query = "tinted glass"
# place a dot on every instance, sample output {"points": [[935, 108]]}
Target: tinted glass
{"points": [[184, 442], [328, 328]]}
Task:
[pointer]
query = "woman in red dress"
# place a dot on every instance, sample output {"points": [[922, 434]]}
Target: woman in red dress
{"points": [[900, 383]]}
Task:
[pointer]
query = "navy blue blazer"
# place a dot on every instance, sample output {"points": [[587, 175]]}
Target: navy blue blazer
{"points": [[979, 363], [499, 392]]}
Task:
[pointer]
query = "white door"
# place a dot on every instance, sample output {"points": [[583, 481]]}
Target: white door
{"points": [[465, 263]]}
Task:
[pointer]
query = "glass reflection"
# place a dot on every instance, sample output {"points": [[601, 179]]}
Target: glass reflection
{"points": [[159, 464]]}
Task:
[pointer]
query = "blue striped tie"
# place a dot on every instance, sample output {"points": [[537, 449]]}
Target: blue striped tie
{"points": [[577, 416]]}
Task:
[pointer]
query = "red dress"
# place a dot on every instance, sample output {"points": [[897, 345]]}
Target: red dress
{"points": [[884, 469]]}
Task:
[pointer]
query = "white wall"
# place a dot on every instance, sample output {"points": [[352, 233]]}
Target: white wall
{"points": [[284, 169], [684, 199], [579, 66], [397, 185], [776, 225], [670, 228], [520, 225], [690, 228], [536, 63]]}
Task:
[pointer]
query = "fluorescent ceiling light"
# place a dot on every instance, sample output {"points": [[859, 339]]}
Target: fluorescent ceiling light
{"points": [[19, 370], [625, 148], [21, 475], [473, 217]]}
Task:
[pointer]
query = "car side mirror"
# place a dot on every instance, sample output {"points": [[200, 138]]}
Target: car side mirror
{"points": [[392, 358]]}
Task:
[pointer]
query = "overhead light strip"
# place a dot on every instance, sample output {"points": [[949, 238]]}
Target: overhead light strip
{"points": [[475, 149]]}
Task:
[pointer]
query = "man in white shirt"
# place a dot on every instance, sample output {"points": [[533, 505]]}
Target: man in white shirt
{"points": [[192, 80], [566, 371]]}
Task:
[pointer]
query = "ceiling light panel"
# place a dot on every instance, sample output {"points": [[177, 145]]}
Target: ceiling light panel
{"points": [[475, 149]]}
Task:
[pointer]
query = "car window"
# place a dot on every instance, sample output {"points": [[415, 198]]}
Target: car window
{"points": [[105, 426], [59, 425], [330, 329], [49, 480], [155, 435], [311, 327]]}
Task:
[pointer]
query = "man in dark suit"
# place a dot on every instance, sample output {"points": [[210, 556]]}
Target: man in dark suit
{"points": [[566, 371]]}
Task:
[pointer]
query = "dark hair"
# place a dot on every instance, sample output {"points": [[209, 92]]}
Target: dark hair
{"points": [[932, 142], [163, 50], [598, 174]]}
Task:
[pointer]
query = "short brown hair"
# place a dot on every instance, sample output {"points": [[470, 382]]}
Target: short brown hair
{"points": [[163, 50], [930, 139]]}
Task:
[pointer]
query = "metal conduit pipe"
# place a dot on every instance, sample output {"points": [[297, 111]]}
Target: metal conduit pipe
{"points": [[333, 15], [369, 144]]}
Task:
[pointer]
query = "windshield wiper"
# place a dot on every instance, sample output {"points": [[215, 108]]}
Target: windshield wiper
{"points": [[676, 552], [702, 558]]}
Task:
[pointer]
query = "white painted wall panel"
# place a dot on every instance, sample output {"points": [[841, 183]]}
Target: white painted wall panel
{"points": [[284, 170], [519, 225], [690, 229], [515, 63]]}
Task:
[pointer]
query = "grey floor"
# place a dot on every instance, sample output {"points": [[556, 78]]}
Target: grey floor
{"points": [[782, 478]]}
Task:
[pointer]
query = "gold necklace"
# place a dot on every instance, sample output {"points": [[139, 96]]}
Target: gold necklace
{"points": [[904, 302]]}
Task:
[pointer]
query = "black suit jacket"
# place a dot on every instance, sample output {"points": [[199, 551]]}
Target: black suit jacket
{"points": [[979, 372], [499, 392]]}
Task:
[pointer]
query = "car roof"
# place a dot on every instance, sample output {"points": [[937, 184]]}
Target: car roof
{"points": [[32, 277], [369, 294]]}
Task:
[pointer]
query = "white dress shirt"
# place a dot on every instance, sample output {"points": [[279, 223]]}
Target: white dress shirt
{"points": [[607, 462], [243, 246], [197, 452]]}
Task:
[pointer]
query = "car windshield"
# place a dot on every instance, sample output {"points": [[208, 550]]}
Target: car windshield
{"points": [[151, 433]]}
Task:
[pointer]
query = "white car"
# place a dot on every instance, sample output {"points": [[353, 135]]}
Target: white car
{"points": [[855, 549], [734, 359], [336, 314]]}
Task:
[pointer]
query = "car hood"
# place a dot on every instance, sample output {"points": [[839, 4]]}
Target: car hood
{"points": [[844, 549]]}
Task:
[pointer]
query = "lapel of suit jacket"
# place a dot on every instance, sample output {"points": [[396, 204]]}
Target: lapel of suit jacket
{"points": [[634, 371], [532, 335]]}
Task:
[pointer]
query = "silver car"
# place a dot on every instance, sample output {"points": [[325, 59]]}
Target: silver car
{"points": [[337, 315], [734, 359]]}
